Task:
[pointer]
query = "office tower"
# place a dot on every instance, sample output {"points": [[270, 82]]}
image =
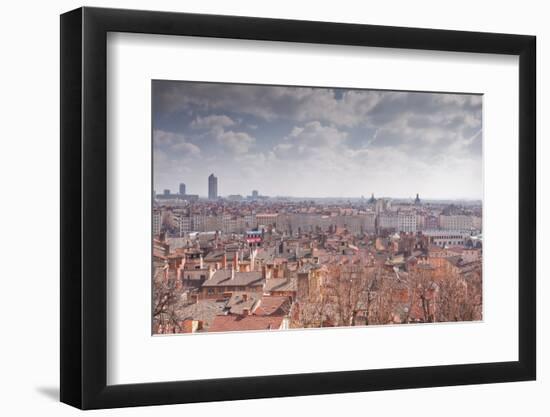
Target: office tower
{"points": [[212, 187]]}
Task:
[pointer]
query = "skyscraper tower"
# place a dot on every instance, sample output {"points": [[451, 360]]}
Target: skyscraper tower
{"points": [[212, 187], [417, 200], [182, 188]]}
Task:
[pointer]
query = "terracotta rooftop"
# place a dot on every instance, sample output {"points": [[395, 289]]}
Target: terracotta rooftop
{"points": [[240, 301], [454, 260], [272, 305], [222, 277], [235, 323], [204, 310], [217, 255], [456, 249], [280, 284]]}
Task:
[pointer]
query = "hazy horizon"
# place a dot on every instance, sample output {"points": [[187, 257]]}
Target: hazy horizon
{"points": [[174, 191], [302, 142]]}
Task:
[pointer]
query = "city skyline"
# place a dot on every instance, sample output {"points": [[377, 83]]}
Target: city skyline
{"points": [[306, 142], [183, 192]]}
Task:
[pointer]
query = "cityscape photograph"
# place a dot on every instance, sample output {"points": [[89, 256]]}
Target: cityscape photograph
{"points": [[283, 207]]}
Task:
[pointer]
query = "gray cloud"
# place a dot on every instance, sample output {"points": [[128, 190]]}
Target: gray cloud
{"points": [[317, 141], [213, 121]]}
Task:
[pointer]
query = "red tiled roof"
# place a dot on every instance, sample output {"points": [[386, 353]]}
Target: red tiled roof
{"points": [[271, 305], [280, 284], [222, 277], [456, 249], [232, 323]]}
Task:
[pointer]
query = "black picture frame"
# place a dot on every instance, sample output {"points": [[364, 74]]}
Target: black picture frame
{"points": [[84, 207]]}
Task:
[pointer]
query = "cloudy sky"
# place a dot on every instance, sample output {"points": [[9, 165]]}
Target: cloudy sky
{"points": [[316, 142]]}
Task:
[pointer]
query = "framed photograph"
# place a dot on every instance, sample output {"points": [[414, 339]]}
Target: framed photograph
{"points": [[258, 208]]}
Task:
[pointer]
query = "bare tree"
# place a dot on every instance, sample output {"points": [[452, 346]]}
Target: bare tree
{"points": [[350, 295], [164, 303], [351, 290], [383, 300], [422, 290], [440, 297], [310, 312], [460, 297]]}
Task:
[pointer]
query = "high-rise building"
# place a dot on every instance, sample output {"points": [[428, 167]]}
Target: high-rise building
{"points": [[157, 222], [166, 192], [212, 187], [255, 194], [185, 224], [381, 205], [182, 188]]}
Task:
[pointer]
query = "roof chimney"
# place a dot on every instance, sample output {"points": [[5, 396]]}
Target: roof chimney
{"points": [[236, 260], [165, 269], [253, 259], [232, 273], [224, 261]]}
